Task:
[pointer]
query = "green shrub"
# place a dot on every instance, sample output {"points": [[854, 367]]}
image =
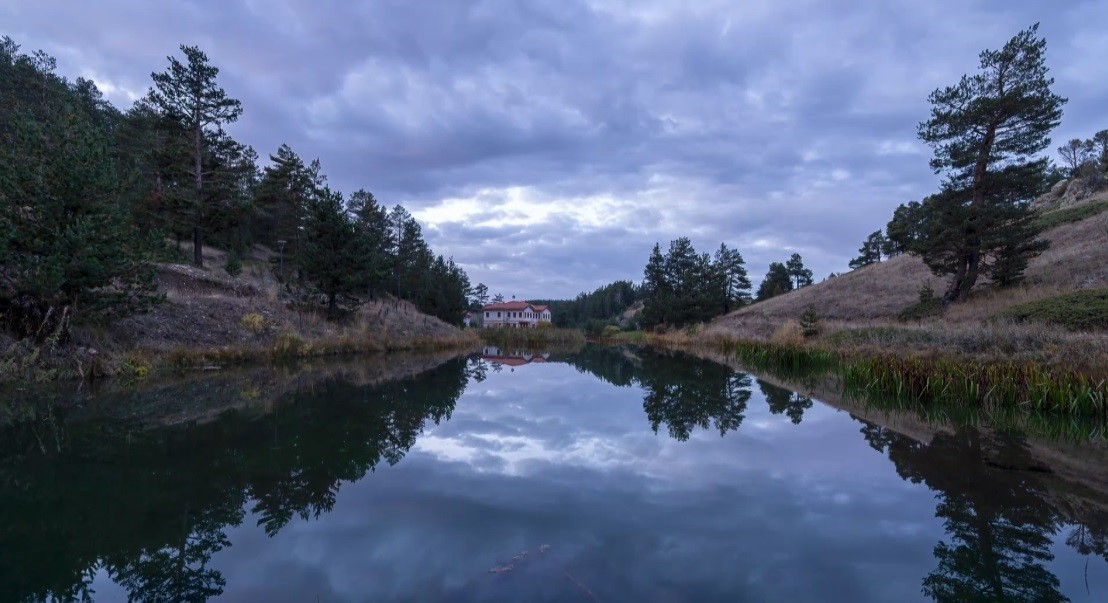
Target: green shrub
{"points": [[1078, 311], [809, 322], [610, 331], [233, 265], [927, 306]]}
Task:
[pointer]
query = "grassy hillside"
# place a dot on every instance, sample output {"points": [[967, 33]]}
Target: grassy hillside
{"points": [[211, 318], [861, 308]]}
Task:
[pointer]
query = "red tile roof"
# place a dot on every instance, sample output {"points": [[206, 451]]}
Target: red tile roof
{"points": [[514, 306]]}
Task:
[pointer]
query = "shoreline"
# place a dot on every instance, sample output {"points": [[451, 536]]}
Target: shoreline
{"points": [[80, 364], [209, 318], [924, 380]]}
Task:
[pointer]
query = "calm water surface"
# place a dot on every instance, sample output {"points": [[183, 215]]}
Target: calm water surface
{"points": [[604, 475]]}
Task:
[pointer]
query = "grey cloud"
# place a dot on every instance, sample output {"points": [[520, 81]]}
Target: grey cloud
{"points": [[743, 111]]}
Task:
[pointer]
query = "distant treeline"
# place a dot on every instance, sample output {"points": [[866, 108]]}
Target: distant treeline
{"points": [[684, 287], [90, 195], [591, 311], [679, 288]]}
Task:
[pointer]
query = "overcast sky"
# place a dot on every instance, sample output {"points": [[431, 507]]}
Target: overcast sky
{"points": [[547, 146]]}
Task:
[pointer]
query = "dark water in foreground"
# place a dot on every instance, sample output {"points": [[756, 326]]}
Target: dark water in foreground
{"points": [[601, 476]]}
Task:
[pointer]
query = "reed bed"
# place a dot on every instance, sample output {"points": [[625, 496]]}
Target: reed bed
{"points": [[929, 381], [1025, 386]]}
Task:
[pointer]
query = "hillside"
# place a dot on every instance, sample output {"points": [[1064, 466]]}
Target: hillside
{"points": [[211, 318], [861, 307]]}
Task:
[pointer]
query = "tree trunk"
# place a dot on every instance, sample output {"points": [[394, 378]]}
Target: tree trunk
{"points": [[953, 293], [197, 235], [973, 265], [967, 274], [332, 306], [197, 247]]}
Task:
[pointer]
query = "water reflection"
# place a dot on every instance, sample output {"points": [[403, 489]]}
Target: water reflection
{"points": [[1000, 511], [781, 400], [511, 358], [153, 504], [151, 507]]}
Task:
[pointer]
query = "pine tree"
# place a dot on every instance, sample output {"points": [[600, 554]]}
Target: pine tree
{"points": [[333, 255], [371, 221], [286, 188], [479, 296], [229, 192], [1077, 153], [656, 290], [682, 275], [736, 282], [904, 232], [986, 132], [68, 245], [1100, 142], [870, 252], [802, 276], [777, 281], [188, 94]]}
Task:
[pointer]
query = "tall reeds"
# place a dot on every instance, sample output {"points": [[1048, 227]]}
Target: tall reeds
{"points": [[1026, 386], [943, 382]]}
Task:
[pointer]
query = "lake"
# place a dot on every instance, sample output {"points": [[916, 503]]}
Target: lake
{"points": [[598, 475]]}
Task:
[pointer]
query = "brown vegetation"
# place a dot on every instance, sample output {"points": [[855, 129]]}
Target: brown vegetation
{"points": [[859, 310], [210, 318]]}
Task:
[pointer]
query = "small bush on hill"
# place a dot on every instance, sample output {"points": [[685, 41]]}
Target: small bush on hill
{"points": [[233, 266], [789, 333], [927, 306], [809, 322], [253, 322]]}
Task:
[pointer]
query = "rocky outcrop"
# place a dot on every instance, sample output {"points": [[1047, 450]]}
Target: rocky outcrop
{"points": [[1067, 193]]}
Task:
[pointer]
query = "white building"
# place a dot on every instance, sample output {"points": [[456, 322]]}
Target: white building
{"points": [[515, 315]]}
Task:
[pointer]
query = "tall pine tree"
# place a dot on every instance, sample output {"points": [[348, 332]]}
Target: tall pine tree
{"points": [[736, 283], [986, 132], [188, 94]]}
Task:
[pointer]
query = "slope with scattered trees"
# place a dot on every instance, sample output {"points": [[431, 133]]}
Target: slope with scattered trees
{"points": [[973, 269], [96, 203]]}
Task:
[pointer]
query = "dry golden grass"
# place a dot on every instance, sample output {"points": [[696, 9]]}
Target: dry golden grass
{"points": [[211, 318], [859, 309], [1077, 258], [789, 333]]}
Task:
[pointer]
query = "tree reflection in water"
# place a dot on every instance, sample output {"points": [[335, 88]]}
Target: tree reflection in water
{"points": [[687, 395], [152, 506], [999, 512], [781, 400]]}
